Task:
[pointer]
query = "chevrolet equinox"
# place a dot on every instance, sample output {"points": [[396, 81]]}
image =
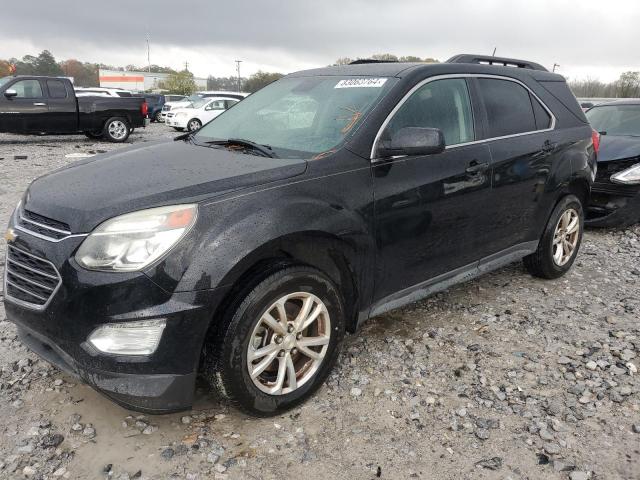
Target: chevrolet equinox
{"points": [[244, 251]]}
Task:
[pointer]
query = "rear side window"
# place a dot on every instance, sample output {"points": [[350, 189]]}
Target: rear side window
{"points": [[442, 104], [56, 89], [543, 119], [508, 106]]}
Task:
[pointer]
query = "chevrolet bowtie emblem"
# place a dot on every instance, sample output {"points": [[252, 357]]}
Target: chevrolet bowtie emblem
{"points": [[10, 235]]}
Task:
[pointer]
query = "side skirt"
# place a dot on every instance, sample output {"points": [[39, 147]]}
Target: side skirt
{"points": [[447, 280]]}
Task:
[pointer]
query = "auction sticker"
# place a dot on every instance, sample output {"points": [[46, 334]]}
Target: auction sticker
{"points": [[361, 83]]}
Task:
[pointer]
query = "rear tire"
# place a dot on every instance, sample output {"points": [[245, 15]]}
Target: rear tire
{"points": [[560, 241], [232, 358], [116, 130]]}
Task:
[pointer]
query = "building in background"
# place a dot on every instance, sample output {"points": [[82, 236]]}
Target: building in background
{"points": [[138, 81]]}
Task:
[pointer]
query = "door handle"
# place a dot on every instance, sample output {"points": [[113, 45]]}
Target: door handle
{"points": [[475, 167], [39, 104]]}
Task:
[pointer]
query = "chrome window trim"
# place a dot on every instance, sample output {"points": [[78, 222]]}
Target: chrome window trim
{"points": [[22, 303], [475, 142]]}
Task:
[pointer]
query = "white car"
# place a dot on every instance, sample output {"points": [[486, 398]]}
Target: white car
{"points": [[101, 92], [169, 106], [198, 113]]}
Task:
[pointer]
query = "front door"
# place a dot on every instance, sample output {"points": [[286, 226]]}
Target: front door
{"points": [[431, 211], [25, 112]]}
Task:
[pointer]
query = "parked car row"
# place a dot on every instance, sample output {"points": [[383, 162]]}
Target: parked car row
{"points": [[246, 249]]}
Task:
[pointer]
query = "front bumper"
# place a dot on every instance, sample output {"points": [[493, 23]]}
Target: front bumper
{"points": [[176, 122], [161, 382], [608, 210]]}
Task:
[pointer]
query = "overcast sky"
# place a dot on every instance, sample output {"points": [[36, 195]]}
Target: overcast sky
{"points": [[587, 38]]}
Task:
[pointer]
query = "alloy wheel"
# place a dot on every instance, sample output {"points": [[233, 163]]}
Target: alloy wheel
{"points": [[566, 236], [289, 343], [117, 129]]}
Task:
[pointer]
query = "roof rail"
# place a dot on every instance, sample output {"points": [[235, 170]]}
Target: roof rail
{"points": [[490, 60], [361, 61]]}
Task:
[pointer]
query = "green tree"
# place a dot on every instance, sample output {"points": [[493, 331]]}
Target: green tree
{"points": [[180, 83], [260, 79], [224, 83], [46, 64], [84, 74], [628, 85], [386, 57]]}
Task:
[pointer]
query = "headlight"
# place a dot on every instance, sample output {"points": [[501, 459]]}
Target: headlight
{"points": [[628, 176], [132, 338], [133, 241]]}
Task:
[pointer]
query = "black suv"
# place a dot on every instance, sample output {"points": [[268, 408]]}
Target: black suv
{"points": [[244, 252]]}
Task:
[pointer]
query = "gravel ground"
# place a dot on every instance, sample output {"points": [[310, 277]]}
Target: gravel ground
{"points": [[504, 377]]}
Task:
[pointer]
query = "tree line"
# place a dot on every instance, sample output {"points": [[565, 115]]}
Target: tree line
{"points": [[85, 74], [627, 86]]}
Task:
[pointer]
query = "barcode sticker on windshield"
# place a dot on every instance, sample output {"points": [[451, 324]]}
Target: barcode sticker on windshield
{"points": [[361, 82]]}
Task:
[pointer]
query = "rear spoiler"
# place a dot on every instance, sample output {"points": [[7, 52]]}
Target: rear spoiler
{"points": [[500, 61]]}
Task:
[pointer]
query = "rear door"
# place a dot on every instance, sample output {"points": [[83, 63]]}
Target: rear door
{"points": [[27, 111], [518, 129], [63, 113], [431, 211]]}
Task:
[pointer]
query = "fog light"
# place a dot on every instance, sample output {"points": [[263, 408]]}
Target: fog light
{"points": [[132, 338]]}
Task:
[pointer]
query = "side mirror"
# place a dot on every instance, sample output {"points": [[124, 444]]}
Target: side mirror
{"points": [[10, 93], [413, 141]]}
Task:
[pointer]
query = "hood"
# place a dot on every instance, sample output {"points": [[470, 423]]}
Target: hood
{"points": [[91, 191], [614, 147]]}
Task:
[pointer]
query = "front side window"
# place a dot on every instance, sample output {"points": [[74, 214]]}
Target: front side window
{"points": [[623, 120], [28, 89], [442, 104], [300, 117], [508, 106]]}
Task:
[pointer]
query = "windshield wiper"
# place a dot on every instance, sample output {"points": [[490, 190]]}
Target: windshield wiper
{"points": [[266, 150]]}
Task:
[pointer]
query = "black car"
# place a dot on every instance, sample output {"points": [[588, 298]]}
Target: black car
{"points": [[244, 251], [35, 105], [615, 198]]}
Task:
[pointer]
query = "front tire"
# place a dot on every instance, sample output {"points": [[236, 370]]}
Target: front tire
{"points": [[560, 241], [280, 343], [116, 130], [194, 124]]}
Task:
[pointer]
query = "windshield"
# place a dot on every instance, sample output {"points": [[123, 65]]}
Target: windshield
{"points": [[4, 80], [616, 119], [300, 117], [199, 103]]}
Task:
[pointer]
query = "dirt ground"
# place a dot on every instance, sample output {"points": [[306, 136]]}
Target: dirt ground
{"points": [[504, 377]]}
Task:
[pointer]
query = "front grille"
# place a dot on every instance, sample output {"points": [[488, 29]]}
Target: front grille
{"points": [[29, 279], [603, 183], [42, 226]]}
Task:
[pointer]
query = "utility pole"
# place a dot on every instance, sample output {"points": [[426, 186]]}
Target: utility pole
{"points": [[148, 52], [186, 66], [554, 67], [238, 62]]}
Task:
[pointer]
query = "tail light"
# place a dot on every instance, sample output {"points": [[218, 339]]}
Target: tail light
{"points": [[595, 136], [144, 109]]}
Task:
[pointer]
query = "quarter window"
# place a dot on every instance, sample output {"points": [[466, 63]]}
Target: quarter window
{"points": [[543, 119], [56, 89], [442, 104], [508, 106], [28, 89]]}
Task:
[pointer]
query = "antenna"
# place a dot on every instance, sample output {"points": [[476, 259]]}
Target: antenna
{"points": [[494, 51], [238, 62]]}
